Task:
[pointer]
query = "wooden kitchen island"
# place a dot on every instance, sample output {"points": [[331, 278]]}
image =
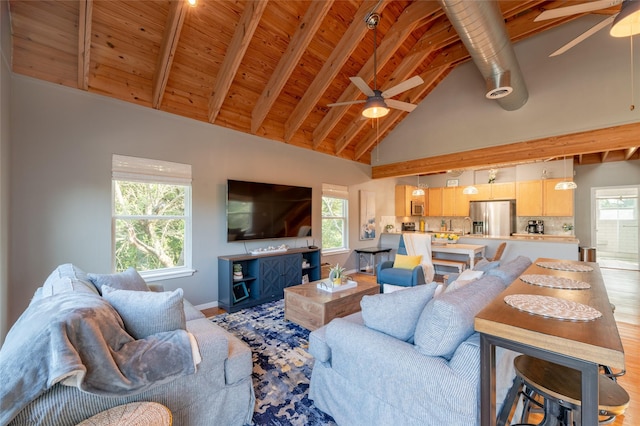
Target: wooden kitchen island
{"points": [[581, 344]]}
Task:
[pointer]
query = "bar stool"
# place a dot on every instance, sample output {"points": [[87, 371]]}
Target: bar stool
{"points": [[559, 386]]}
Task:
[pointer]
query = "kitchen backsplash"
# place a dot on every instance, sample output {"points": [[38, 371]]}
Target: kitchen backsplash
{"points": [[553, 225]]}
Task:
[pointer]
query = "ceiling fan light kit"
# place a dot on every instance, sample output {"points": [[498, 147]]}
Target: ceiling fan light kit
{"points": [[375, 107], [627, 23]]}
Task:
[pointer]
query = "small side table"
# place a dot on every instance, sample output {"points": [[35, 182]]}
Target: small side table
{"points": [[370, 257], [135, 413]]}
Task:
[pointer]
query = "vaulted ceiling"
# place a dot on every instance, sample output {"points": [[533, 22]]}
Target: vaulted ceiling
{"points": [[263, 67]]}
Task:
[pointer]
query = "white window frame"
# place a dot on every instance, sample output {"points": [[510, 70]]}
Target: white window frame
{"points": [[136, 169], [341, 192]]}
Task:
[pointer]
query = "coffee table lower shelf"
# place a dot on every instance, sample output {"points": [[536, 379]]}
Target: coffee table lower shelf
{"points": [[310, 307]]}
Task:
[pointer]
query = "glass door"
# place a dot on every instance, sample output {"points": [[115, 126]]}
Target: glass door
{"points": [[616, 230]]}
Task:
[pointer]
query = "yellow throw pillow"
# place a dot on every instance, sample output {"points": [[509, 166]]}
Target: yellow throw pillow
{"points": [[407, 262]]}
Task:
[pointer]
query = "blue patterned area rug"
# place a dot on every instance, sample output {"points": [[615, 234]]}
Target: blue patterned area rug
{"points": [[281, 365]]}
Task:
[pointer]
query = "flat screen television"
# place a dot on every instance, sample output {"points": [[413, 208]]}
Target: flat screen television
{"points": [[258, 211]]}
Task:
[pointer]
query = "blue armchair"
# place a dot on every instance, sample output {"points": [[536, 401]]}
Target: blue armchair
{"points": [[387, 274]]}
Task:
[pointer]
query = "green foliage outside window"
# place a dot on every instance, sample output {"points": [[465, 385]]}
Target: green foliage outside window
{"points": [[149, 225], [334, 223]]}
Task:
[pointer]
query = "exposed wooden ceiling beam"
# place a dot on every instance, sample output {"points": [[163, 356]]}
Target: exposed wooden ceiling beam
{"points": [[610, 138], [343, 50], [175, 20], [84, 42], [239, 43], [603, 156], [431, 41], [299, 43], [629, 152], [408, 21]]}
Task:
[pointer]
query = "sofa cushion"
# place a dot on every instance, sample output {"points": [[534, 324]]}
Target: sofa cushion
{"points": [[406, 262], [511, 270], [125, 280], [447, 320], [466, 277], [67, 277], [485, 265], [397, 313], [147, 312]]}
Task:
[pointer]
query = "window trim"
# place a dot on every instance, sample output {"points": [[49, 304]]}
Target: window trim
{"points": [[337, 192], [143, 170]]}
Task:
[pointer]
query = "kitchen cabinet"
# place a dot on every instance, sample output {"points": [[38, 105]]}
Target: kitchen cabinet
{"points": [[529, 198], [448, 201], [461, 203], [435, 201], [556, 203], [404, 198], [540, 198], [494, 191]]}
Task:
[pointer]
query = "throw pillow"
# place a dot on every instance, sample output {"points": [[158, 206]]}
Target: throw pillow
{"points": [[508, 272], [484, 265], [397, 313], [447, 320], [147, 312], [126, 280], [406, 262], [466, 277], [67, 277]]}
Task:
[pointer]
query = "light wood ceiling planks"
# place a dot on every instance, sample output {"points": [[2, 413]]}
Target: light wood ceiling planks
{"points": [[266, 67]]}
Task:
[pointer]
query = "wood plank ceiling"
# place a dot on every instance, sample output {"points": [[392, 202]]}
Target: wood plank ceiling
{"points": [[267, 68]]}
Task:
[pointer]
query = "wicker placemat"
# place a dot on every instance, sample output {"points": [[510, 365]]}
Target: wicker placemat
{"points": [[565, 266], [133, 414], [552, 307], [555, 282]]}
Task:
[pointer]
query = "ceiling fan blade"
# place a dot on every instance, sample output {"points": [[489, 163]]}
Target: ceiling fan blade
{"points": [[402, 87], [347, 103], [362, 85], [591, 31], [574, 10], [404, 106]]}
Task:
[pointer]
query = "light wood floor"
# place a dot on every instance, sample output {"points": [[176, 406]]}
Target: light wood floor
{"points": [[623, 288]]}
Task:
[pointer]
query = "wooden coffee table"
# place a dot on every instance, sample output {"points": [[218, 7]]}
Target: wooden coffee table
{"points": [[312, 308]]}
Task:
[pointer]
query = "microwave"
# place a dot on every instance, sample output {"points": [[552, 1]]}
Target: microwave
{"points": [[417, 208]]}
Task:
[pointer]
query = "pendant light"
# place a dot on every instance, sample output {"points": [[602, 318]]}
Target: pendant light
{"points": [[565, 184], [471, 189], [418, 191]]}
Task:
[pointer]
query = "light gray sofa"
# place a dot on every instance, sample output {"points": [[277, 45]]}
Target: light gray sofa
{"points": [[220, 389], [410, 358]]}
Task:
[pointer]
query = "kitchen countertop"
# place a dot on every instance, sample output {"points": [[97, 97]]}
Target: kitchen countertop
{"points": [[571, 239]]}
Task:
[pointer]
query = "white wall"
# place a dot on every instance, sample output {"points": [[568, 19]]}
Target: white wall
{"points": [[62, 144], [5, 121], [588, 87], [608, 174]]}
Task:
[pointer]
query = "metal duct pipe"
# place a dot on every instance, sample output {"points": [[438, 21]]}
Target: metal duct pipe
{"points": [[481, 28]]}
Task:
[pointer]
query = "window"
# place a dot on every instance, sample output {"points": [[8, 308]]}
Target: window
{"points": [[335, 205], [151, 218]]}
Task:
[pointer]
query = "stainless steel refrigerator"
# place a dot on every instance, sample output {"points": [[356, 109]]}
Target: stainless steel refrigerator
{"points": [[493, 218]]}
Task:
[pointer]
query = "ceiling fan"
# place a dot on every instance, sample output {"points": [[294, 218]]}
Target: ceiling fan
{"points": [[625, 23], [377, 103]]}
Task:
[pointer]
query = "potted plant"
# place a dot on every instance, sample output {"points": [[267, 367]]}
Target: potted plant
{"points": [[567, 228], [237, 271], [336, 275]]}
